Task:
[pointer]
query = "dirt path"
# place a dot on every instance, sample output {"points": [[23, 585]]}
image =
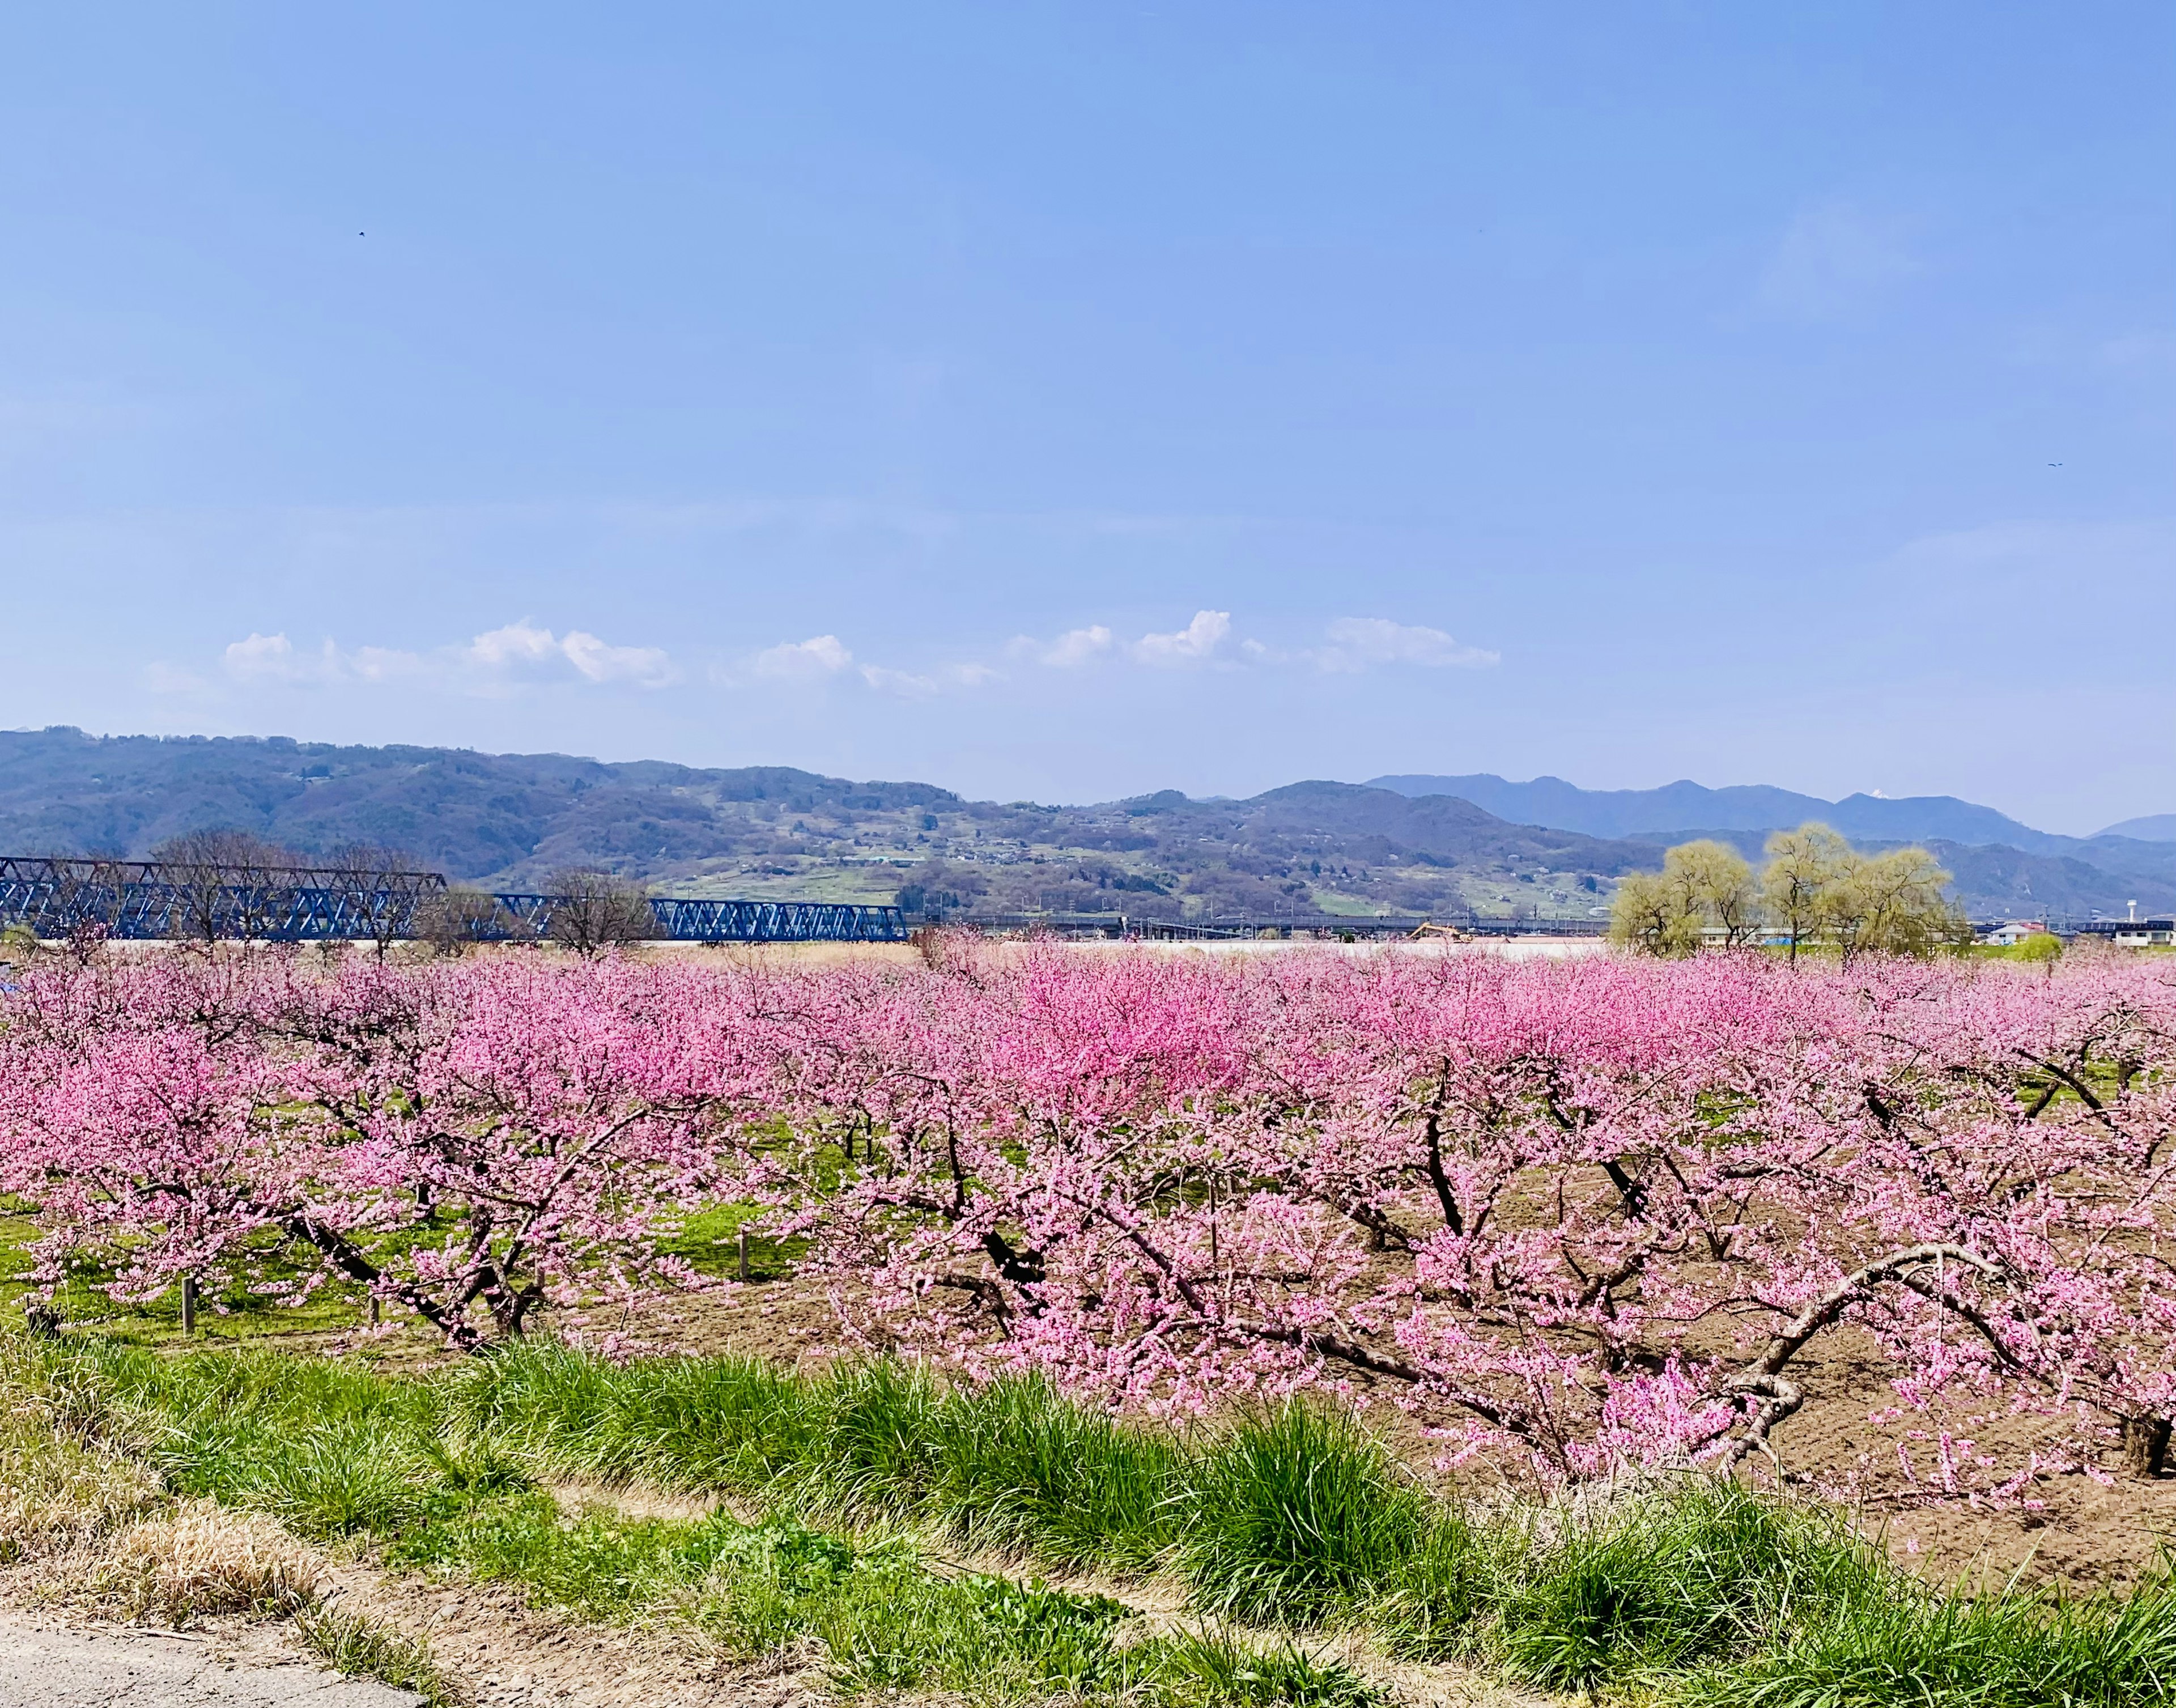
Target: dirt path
{"points": [[507, 1654], [48, 1663]]}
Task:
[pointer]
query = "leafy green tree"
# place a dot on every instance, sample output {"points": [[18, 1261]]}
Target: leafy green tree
{"points": [[1703, 887], [1798, 889], [1817, 889], [1715, 882], [1647, 914], [1894, 904]]}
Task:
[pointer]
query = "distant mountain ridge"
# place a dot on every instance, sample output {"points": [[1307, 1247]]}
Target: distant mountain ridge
{"points": [[2002, 867], [1442, 846], [2160, 827], [510, 817], [511, 820], [1681, 806]]}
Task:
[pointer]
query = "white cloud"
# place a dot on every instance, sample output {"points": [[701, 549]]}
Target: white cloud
{"points": [[274, 659], [268, 658], [1077, 646], [491, 661], [1198, 640], [381, 664], [1357, 643], [516, 645], [1354, 643], [823, 657], [903, 683], [803, 660], [647, 667], [523, 650], [1833, 257]]}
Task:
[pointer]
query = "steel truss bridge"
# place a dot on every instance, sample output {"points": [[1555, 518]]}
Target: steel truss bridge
{"points": [[681, 920], [151, 899]]}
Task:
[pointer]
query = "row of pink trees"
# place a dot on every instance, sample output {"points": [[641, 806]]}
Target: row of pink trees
{"points": [[1591, 1212], [471, 1143], [1574, 1214]]}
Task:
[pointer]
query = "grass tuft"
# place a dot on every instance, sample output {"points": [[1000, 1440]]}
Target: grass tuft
{"points": [[1010, 1468], [1022, 1472], [361, 1647], [1220, 1668], [2012, 1650], [1294, 1516], [1665, 1580]]}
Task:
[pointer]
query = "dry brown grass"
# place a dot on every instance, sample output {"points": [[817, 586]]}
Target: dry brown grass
{"points": [[200, 1559], [81, 1519], [59, 1493], [62, 1487]]}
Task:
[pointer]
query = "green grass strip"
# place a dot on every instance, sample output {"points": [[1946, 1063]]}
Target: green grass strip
{"points": [[1292, 1517], [335, 1451]]}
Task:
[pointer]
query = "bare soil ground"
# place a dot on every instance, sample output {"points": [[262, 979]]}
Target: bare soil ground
{"points": [[2079, 1531], [507, 1654]]}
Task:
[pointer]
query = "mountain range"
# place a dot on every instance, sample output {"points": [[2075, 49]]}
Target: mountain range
{"points": [[1439, 844], [2003, 867], [1675, 806]]}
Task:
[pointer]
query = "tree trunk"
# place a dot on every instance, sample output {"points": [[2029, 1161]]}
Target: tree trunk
{"points": [[2144, 1445]]}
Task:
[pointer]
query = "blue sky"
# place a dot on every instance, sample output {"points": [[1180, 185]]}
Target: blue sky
{"points": [[1072, 401]]}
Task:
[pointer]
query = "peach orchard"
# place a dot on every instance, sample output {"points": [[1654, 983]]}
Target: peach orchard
{"points": [[1574, 1216]]}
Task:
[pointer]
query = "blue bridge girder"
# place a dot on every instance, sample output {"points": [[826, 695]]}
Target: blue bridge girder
{"points": [[777, 922], [681, 920], [150, 899], [143, 900]]}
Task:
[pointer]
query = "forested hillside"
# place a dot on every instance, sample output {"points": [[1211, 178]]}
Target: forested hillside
{"points": [[512, 819]]}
